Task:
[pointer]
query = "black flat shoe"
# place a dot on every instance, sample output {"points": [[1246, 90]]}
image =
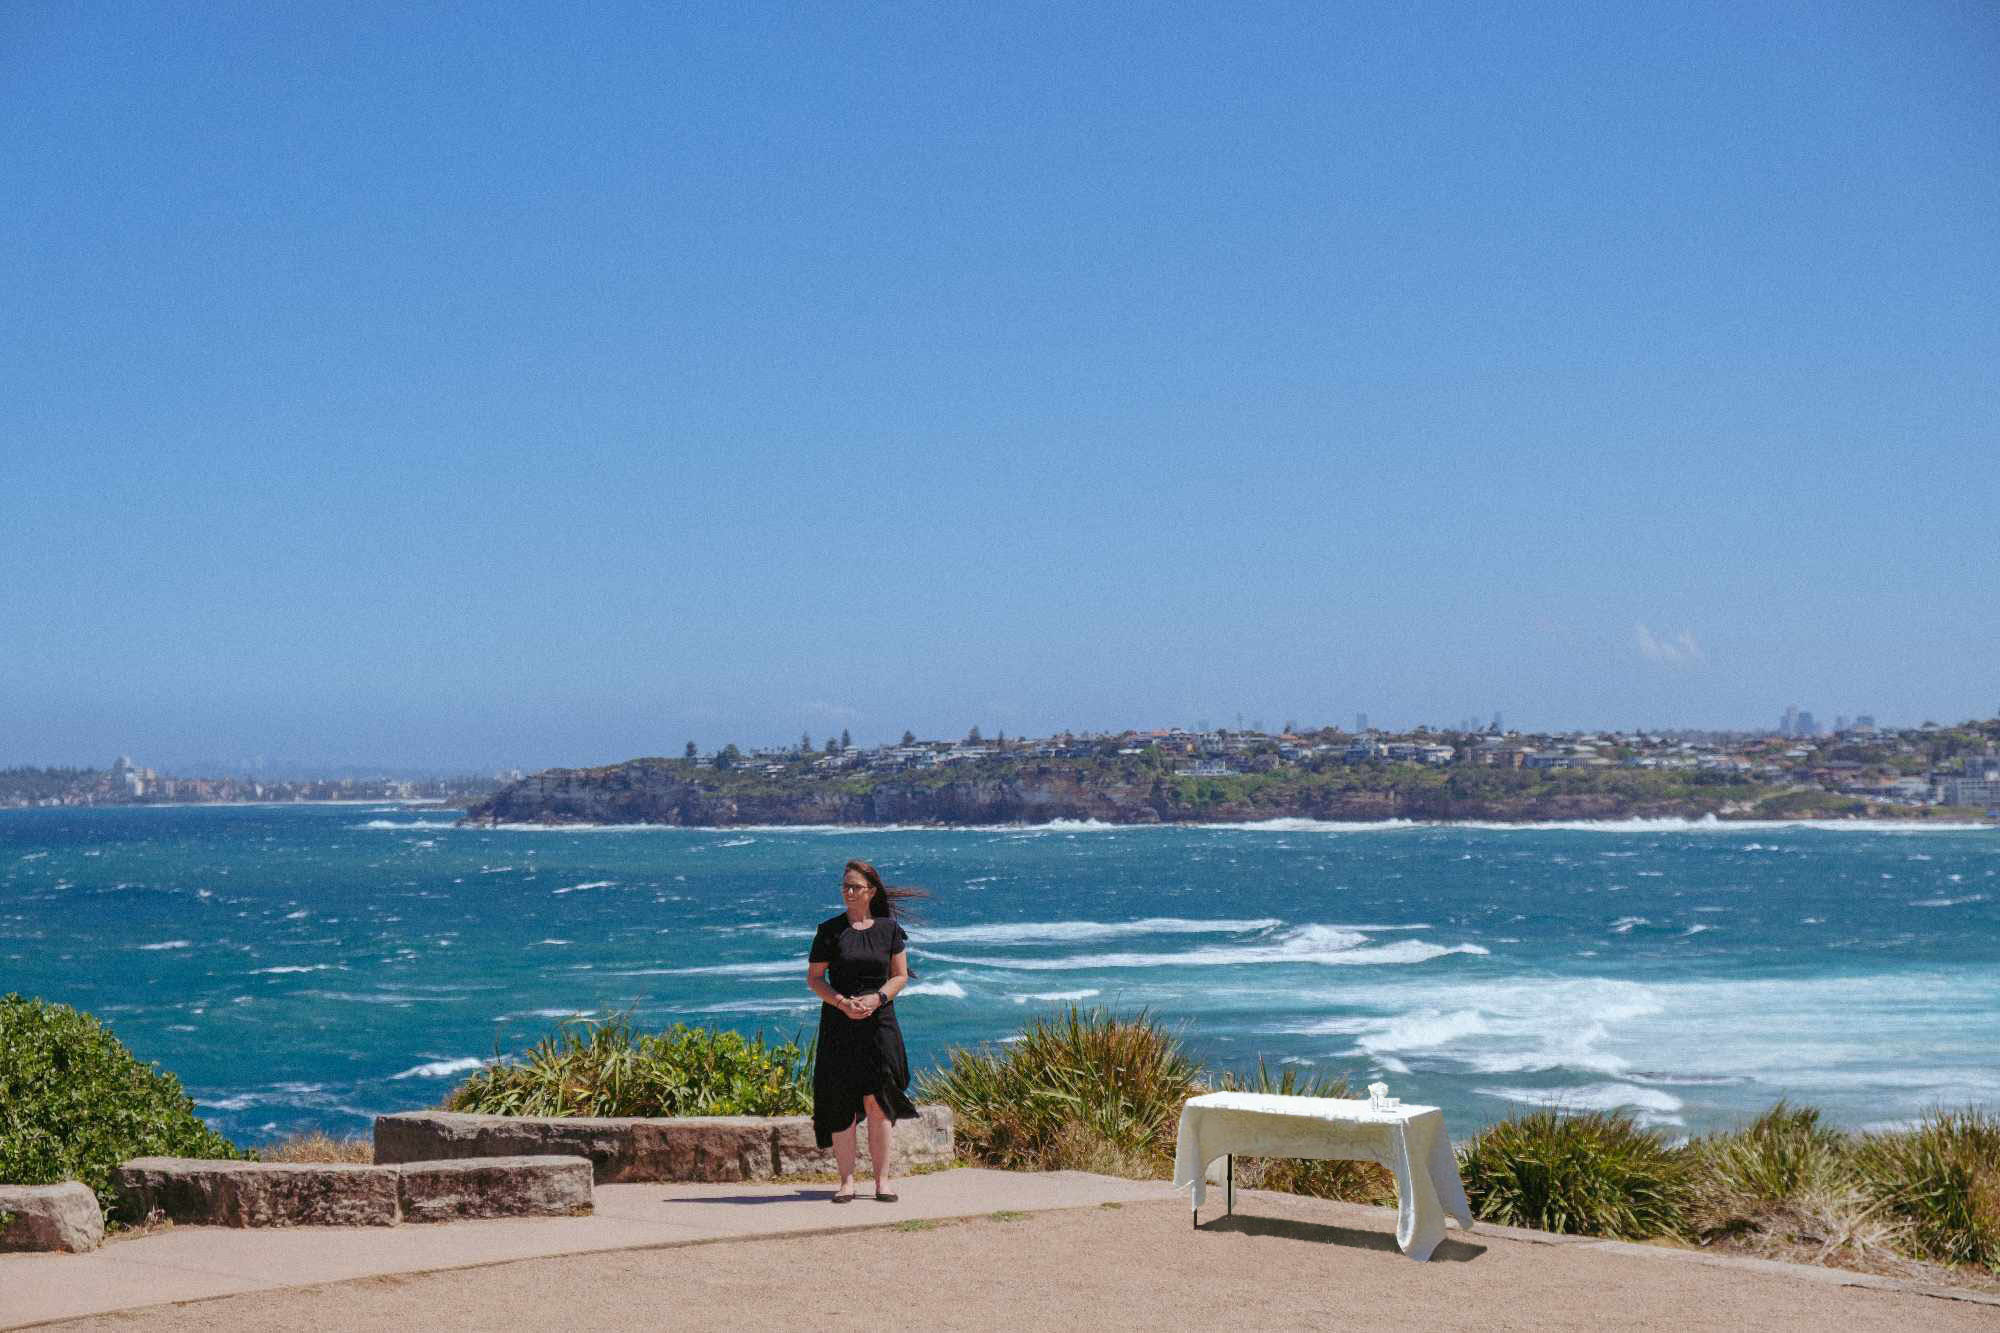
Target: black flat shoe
{"points": [[887, 1198], [843, 1198]]}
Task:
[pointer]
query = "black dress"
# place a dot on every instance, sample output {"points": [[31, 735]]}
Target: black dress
{"points": [[857, 1057]]}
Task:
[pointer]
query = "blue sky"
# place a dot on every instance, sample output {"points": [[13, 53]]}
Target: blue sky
{"points": [[554, 384]]}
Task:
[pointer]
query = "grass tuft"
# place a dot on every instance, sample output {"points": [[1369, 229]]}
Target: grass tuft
{"points": [[1597, 1174], [318, 1146], [1942, 1181], [1081, 1090]]}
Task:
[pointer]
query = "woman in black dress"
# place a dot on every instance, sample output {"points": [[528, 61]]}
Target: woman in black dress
{"points": [[857, 965]]}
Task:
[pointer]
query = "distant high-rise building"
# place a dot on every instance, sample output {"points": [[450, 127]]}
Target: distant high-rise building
{"points": [[1806, 725], [1361, 722], [1839, 722], [1790, 725], [1497, 728], [1865, 720]]}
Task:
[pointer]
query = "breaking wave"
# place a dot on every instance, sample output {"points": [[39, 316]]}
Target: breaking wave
{"points": [[1327, 946], [442, 1068], [1043, 932]]}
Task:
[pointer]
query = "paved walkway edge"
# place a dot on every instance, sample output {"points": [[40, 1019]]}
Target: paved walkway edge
{"points": [[1387, 1216]]}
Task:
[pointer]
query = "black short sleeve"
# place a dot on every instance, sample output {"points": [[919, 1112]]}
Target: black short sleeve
{"points": [[898, 940], [825, 948]]}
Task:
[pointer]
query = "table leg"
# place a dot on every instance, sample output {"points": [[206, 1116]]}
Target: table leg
{"points": [[1230, 1210]]}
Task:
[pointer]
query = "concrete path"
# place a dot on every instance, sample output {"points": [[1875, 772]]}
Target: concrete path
{"points": [[979, 1249], [196, 1263]]}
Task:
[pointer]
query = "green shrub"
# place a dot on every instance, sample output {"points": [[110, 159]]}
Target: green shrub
{"points": [[1597, 1174], [609, 1068], [1942, 1179], [74, 1103], [1080, 1091], [1321, 1178]]}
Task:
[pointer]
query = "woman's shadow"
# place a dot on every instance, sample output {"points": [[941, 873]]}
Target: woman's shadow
{"points": [[804, 1194]]}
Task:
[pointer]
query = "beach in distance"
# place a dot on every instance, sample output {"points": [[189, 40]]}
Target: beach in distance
{"points": [[312, 966]]}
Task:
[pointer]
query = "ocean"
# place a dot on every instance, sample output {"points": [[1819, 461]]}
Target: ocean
{"points": [[312, 966]]}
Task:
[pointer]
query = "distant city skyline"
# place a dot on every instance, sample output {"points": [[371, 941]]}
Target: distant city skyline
{"points": [[389, 386], [1788, 724]]}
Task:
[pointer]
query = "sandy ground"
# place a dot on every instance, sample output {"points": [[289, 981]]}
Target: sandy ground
{"points": [[1281, 1263]]}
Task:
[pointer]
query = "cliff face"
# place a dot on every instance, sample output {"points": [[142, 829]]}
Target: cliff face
{"points": [[645, 793], [665, 792]]}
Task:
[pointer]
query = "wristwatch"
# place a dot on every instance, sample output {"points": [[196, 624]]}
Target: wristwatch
{"points": [[883, 996]]}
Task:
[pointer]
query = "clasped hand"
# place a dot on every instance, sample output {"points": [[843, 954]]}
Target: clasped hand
{"points": [[860, 1006]]}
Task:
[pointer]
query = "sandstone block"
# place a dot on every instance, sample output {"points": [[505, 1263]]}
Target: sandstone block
{"points": [[676, 1148], [925, 1141], [495, 1187], [716, 1148], [257, 1194], [50, 1217], [431, 1136]]}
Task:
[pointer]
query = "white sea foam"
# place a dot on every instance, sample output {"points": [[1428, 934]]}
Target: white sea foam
{"points": [[1329, 946], [1291, 824], [292, 967], [555, 941], [382, 997], [407, 824], [579, 888], [168, 944], [1623, 925], [1500, 1028], [442, 1068], [719, 970], [758, 1007], [1650, 1105], [1054, 996], [736, 842], [1696, 929], [948, 989], [1950, 902], [242, 1101], [1041, 932]]}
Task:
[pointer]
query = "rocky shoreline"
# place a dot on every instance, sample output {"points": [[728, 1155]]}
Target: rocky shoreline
{"points": [[665, 792]]}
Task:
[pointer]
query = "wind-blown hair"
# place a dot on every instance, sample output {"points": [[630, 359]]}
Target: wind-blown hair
{"points": [[886, 899]]}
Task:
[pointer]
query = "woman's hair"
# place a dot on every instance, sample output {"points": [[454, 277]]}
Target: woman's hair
{"points": [[887, 899]]}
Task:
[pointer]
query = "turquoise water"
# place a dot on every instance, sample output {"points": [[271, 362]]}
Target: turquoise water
{"points": [[311, 966]]}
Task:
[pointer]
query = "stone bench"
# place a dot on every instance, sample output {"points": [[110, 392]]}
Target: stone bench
{"points": [[494, 1187], [204, 1192], [637, 1149], [50, 1217], [257, 1194]]}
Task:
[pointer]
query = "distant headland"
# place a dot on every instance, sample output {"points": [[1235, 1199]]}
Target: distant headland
{"points": [[1174, 776]]}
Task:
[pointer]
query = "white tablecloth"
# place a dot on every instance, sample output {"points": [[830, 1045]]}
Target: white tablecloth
{"points": [[1409, 1140]]}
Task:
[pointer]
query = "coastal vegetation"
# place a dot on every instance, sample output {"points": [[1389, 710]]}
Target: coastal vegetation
{"points": [[1596, 1174], [1088, 1090], [74, 1102], [611, 1068], [1081, 1090]]}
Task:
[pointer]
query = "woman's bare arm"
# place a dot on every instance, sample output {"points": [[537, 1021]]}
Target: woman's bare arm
{"points": [[817, 983]]}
